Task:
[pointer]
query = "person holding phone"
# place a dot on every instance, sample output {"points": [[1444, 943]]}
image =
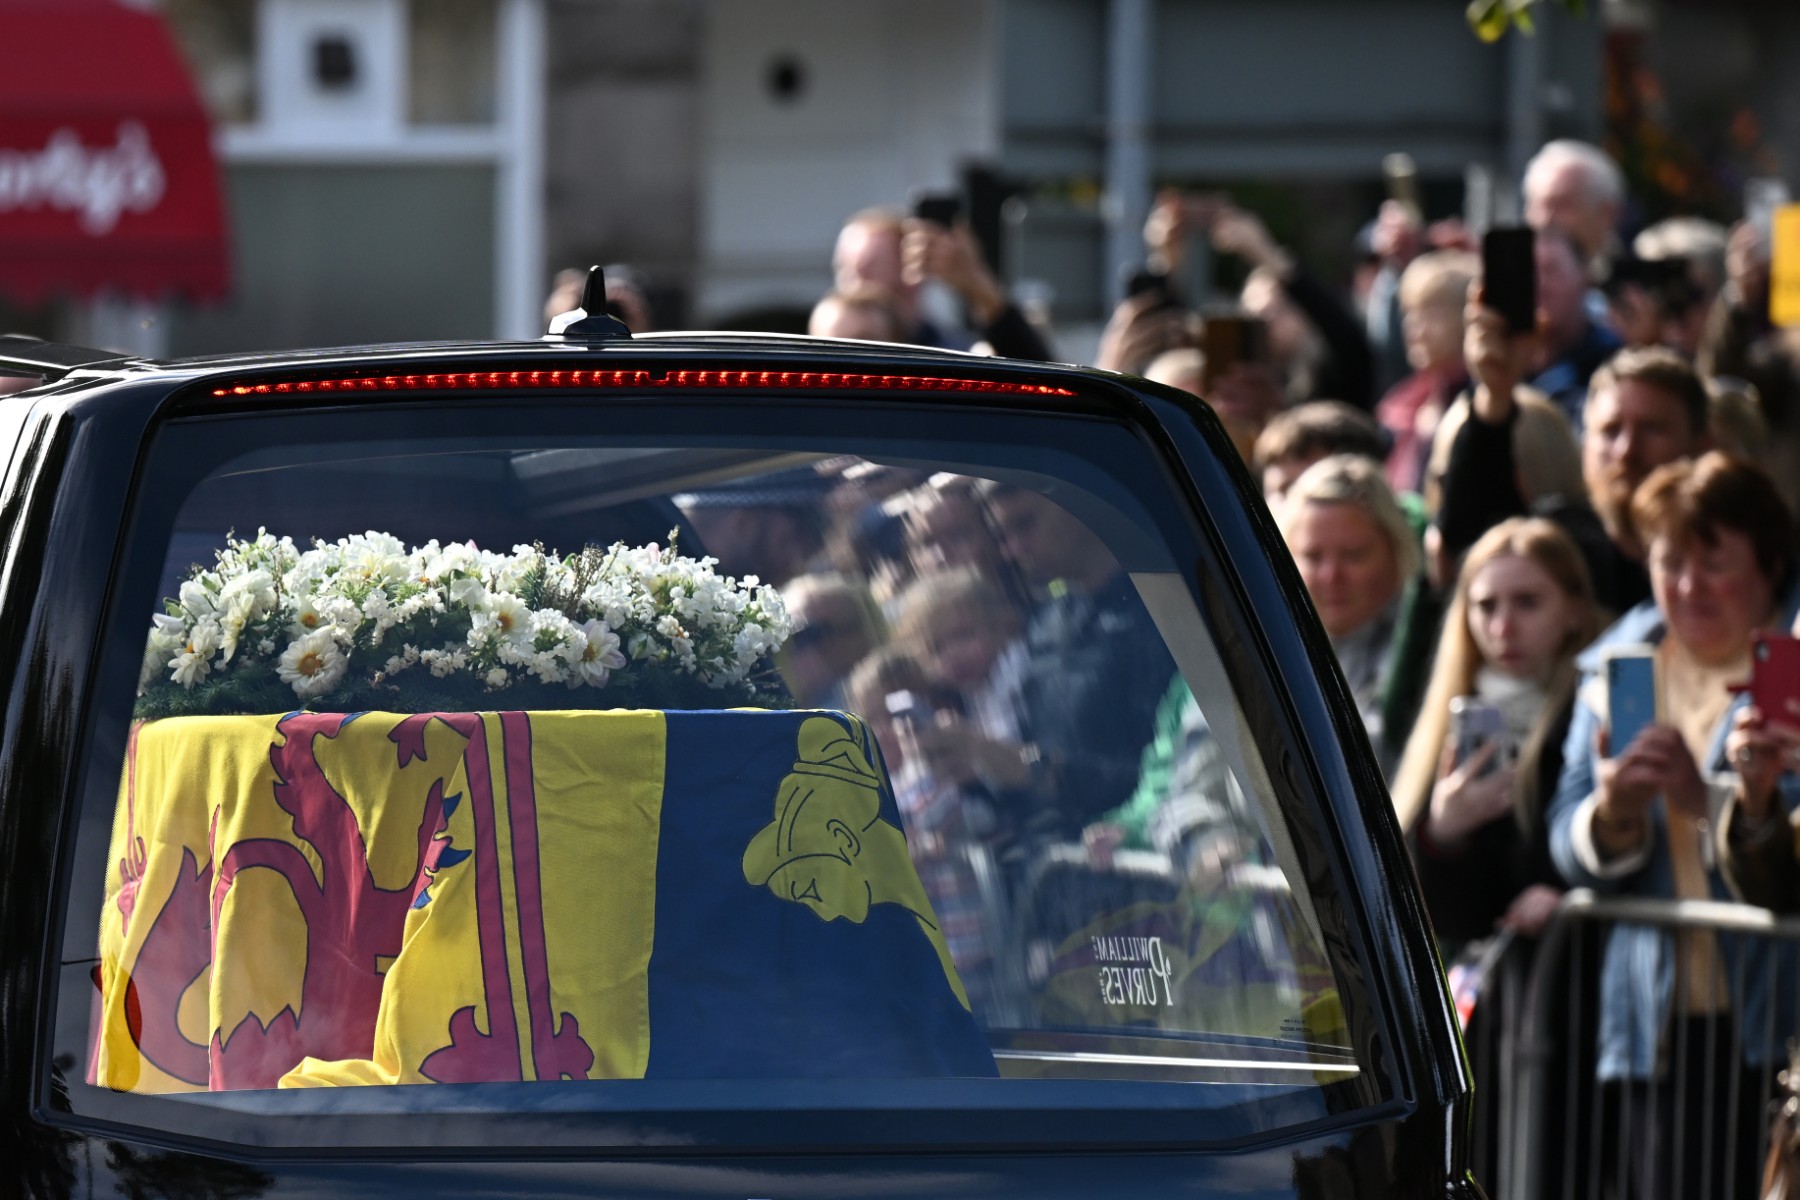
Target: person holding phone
{"points": [[1476, 814], [1646, 408], [1143, 327], [884, 249], [1085, 687], [1522, 609], [950, 832], [1760, 857], [1318, 347], [1662, 292], [1643, 818]]}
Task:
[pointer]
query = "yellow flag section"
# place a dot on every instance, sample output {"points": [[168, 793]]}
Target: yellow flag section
{"points": [[266, 872], [260, 873], [552, 824]]}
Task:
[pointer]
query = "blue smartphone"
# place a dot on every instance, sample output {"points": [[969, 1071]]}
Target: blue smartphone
{"points": [[1630, 695]]}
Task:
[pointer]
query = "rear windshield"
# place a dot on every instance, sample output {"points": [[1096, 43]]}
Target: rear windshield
{"points": [[640, 759]]}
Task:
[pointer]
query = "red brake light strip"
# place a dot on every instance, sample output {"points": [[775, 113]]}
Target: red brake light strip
{"points": [[797, 380]]}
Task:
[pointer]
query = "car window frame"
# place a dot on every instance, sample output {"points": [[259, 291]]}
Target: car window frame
{"points": [[1213, 570]]}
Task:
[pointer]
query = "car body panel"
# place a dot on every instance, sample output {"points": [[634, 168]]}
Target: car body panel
{"points": [[64, 523]]}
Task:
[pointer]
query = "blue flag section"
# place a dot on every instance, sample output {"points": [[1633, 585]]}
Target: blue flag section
{"points": [[793, 938]]}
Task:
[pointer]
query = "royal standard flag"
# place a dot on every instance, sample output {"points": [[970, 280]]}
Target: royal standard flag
{"points": [[329, 899]]}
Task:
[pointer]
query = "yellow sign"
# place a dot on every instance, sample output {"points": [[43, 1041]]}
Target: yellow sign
{"points": [[1784, 266]]}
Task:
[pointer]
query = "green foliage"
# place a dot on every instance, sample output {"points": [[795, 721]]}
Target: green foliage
{"points": [[419, 693], [1490, 19]]}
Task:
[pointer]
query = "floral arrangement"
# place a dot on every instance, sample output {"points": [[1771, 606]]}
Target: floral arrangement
{"points": [[366, 623]]}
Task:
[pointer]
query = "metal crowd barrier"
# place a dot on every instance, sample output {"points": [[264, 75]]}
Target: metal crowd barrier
{"points": [[1545, 1129]]}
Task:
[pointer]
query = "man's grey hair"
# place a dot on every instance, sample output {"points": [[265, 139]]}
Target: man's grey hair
{"points": [[1699, 241], [1605, 182]]}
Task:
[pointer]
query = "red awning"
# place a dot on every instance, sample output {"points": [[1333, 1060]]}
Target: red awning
{"points": [[107, 177]]}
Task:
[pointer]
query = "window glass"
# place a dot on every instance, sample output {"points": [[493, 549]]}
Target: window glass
{"points": [[218, 38], [450, 63], [620, 762]]}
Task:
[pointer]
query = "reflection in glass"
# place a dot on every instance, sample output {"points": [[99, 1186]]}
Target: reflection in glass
{"points": [[1051, 833]]}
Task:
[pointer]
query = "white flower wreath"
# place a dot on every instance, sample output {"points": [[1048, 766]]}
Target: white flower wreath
{"points": [[365, 611]]}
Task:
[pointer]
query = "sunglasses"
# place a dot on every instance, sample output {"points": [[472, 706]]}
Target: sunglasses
{"points": [[817, 634]]}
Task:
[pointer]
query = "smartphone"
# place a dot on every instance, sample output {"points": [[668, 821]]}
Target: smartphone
{"points": [[1401, 175], [1509, 276], [903, 710], [1631, 695], [942, 209], [1229, 338], [1763, 194], [1473, 724], [1775, 675]]}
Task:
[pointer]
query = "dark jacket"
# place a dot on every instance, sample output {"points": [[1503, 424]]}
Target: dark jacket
{"points": [[1010, 334], [1468, 887], [1347, 371], [1095, 671], [1565, 380]]}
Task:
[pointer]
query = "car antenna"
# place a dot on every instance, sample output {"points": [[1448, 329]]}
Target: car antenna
{"points": [[591, 320]]}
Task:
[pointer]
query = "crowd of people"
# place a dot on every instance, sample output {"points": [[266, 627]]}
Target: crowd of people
{"points": [[1621, 476], [993, 642], [1482, 516], [1491, 528]]}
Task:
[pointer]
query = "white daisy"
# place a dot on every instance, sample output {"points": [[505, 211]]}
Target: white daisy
{"points": [[307, 618], [189, 668], [506, 617], [600, 655], [312, 665]]}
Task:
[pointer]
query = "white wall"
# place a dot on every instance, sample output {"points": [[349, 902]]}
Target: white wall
{"points": [[898, 93]]}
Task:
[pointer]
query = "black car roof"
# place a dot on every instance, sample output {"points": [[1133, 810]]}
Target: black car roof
{"points": [[707, 340], [56, 361]]}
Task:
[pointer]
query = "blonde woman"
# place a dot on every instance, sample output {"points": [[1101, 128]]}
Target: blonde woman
{"points": [[1356, 551], [1522, 609]]}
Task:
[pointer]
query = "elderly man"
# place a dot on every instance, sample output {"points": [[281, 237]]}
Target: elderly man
{"points": [[878, 249], [1575, 342], [1576, 188]]}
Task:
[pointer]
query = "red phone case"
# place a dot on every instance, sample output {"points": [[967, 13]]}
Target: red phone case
{"points": [[1775, 676]]}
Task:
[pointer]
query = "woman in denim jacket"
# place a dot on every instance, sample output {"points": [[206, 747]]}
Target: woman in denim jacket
{"points": [[1691, 1009]]}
